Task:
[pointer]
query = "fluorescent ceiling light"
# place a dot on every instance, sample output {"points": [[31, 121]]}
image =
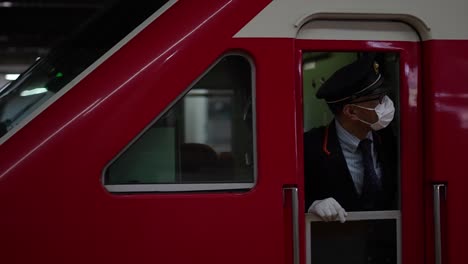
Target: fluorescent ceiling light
{"points": [[6, 4], [309, 65], [11, 77], [33, 91]]}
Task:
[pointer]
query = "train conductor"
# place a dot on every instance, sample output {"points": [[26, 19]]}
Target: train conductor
{"points": [[350, 165]]}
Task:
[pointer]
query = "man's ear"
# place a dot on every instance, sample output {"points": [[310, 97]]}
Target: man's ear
{"points": [[349, 112]]}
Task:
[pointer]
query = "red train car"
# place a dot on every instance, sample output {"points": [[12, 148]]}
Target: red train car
{"points": [[172, 132]]}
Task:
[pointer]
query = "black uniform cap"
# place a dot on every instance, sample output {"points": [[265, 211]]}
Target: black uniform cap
{"points": [[360, 78]]}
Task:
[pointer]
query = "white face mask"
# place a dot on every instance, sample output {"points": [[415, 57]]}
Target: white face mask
{"points": [[385, 112]]}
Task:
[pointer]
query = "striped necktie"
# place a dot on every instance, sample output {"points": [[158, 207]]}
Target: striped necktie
{"points": [[372, 185]]}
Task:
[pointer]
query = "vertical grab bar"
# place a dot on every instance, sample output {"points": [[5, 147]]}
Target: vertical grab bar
{"points": [[437, 190], [295, 221]]}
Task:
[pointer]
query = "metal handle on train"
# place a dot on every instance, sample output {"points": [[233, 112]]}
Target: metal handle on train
{"points": [[295, 221], [438, 191]]}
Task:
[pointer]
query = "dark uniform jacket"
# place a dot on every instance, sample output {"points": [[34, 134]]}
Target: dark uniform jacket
{"points": [[327, 175]]}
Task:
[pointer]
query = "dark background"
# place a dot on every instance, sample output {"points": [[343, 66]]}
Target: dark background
{"points": [[28, 29]]}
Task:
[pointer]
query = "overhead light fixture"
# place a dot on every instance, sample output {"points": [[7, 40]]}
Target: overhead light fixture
{"points": [[11, 77], [309, 66], [33, 91], [6, 4]]}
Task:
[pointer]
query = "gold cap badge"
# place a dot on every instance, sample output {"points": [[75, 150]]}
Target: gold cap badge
{"points": [[376, 67]]}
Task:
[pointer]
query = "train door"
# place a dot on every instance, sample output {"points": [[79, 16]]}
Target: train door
{"points": [[396, 234]]}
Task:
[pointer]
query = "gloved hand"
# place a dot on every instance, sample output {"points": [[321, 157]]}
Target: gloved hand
{"points": [[328, 209]]}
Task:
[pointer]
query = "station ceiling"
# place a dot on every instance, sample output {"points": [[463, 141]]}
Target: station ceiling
{"points": [[30, 28]]}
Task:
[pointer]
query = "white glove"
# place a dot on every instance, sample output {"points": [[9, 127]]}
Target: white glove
{"points": [[328, 209]]}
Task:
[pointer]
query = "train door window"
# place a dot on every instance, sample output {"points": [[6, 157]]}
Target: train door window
{"points": [[335, 169], [203, 142]]}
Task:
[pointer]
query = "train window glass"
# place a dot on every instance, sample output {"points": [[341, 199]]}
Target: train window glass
{"points": [[203, 142], [49, 75], [333, 168], [366, 237]]}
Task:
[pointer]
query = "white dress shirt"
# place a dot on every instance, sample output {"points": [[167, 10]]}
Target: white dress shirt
{"points": [[349, 145]]}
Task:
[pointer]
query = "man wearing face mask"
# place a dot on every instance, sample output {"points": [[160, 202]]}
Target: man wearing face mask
{"points": [[350, 164]]}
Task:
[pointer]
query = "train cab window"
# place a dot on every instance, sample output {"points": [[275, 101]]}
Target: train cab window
{"points": [[69, 60], [351, 159], [203, 142]]}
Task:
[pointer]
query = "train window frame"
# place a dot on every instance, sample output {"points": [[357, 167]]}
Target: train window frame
{"points": [[192, 187], [394, 212], [361, 216]]}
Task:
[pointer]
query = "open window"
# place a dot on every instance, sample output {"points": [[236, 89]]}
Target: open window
{"points": [[368, 236]]}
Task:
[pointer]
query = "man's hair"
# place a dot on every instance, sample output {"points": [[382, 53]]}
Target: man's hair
{"points": [[336, 108]]}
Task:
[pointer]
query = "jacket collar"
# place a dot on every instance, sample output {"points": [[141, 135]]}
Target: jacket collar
{"points": [[331, 139]]}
